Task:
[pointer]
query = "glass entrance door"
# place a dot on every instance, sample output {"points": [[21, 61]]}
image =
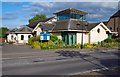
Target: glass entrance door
{"points": [[69, 38]]}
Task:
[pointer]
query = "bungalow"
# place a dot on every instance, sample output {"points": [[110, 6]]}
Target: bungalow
{"points": [[22, 34], [19, 35]]}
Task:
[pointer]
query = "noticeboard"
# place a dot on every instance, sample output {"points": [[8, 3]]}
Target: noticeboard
{"points": [[44, 36]]}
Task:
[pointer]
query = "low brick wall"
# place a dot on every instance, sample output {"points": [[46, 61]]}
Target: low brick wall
{"points": [[2, 40]]}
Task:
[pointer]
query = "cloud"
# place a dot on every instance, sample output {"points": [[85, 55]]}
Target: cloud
{"points": [[95, 15], [43, 4], [96, 10], [112, 5], [9, 15], [26, 7]]}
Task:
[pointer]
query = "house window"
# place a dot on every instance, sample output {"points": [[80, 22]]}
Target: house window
{"points": [[98, 30], [22, 37], [29, 36], [117, 29], [12, 37], [110, 28], [15, 38]]}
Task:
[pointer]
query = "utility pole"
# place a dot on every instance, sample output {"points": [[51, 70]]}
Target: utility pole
{"points": [[82, 34]]}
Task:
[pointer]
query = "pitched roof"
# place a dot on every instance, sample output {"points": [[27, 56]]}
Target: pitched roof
{"points": [[22, 29], [105, 22], [91, 26], [73, 10], [34, 24], [117, 14], [47, 27], [12, 30], [73, 24]]}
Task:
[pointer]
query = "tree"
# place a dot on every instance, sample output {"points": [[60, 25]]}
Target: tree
{"points": [[3, 31], [37, 17]]}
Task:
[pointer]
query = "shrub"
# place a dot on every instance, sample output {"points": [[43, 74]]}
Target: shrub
{"points": [[37, 38], [108, 40], [59, 44], [77, 45], [117, 40], [31, 40], [72, 46], [47, 45], [36, 45], [90, 45], [53, 37], [87, 46]]}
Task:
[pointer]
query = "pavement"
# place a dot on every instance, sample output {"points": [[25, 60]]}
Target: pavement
{"points": [[23, 60]]}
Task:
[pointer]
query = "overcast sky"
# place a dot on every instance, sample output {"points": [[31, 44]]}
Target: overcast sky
{"points": [[15, 14]]}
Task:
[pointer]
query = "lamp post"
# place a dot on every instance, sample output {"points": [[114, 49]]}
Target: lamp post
{"points": [[82, 34], [81, 46], [86, 24]]}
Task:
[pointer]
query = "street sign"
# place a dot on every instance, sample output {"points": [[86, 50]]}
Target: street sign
{"points": [[44, 36]]}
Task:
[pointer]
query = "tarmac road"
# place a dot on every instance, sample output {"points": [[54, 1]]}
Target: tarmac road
{"points": [[57, 64]]}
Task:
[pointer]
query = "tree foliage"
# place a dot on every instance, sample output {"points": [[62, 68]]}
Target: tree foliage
{"points": [[37, 17], [3, 31]]}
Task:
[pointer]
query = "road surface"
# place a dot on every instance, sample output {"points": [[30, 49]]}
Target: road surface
{"points": [[60, 64]]}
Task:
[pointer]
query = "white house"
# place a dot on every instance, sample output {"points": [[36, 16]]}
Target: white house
{"points": [[19, 35], [98, 33]]}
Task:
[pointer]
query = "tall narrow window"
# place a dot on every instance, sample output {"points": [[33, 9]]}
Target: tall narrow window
{"points": [[22, 37], [12, 37], [29, 36], [117, 29], [98, 30], [110, 28]]}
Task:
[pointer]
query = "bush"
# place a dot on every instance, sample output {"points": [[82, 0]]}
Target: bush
{"points": [[30, 41], [108, 40], [53, 38], [87, 46], [36, 45], [90, 45], [117, 40], [72, 46], [37, 38], [59, 44], [47, 45]]}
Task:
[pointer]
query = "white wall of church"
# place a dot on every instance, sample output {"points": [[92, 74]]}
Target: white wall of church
{"points": [[96, 36]]}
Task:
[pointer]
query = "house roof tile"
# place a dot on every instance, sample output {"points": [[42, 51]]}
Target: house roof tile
{"points": [[22, 29], [34, 24], [73, 24], [73, 10]]}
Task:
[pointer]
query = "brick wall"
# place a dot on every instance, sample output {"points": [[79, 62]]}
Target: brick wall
{"points": [[2, 40]]}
